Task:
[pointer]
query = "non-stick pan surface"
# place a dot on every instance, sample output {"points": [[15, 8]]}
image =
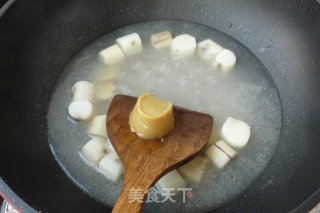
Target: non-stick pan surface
{"points": [[37, 38]]}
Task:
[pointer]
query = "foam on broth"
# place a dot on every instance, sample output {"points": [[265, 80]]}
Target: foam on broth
{"points": [[247, 93]]}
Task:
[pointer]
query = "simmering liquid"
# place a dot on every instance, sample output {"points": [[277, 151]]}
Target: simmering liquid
{"points": [[247, 93]]}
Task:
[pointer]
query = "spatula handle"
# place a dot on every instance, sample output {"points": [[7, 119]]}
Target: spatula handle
{"points": [[133, 194]]}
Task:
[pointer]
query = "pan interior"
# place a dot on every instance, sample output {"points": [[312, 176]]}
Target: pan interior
{"points": [[247, 93]]}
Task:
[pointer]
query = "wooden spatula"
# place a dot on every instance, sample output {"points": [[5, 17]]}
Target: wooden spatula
{"points": [[146, 161]]}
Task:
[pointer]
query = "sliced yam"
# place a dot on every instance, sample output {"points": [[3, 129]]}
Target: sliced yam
{"points": [[82, 90], [111, 166], [235, 132], [161, 40], [225, 60], [110, 147], [214, 136], [112, 55], [94, 150], [108, 73], [97, 126], [218, 157], [194, 169], [208, 49], [80, 110], [171, 180], [103, 90], [183, 45], [130, 44], [226, 148]]}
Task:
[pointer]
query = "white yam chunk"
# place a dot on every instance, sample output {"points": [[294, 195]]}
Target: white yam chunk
{"points": [[183, 45], [194, 169], [171, 180], [82, 90], [108, 73], [214, 136], [130, 44], [110, 146], [103, 90], [225, 60], [217, 156], [111, 166], [80, 110], [97, 126], [161, 40], [226, 148], [112, 55], [235, 132], [208, 49], [94, 150]]}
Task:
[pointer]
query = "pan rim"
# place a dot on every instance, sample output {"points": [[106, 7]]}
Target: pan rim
{"points": [[9, 195]]}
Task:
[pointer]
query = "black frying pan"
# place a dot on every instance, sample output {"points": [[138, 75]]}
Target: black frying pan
{"points": [[37, 38]]}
